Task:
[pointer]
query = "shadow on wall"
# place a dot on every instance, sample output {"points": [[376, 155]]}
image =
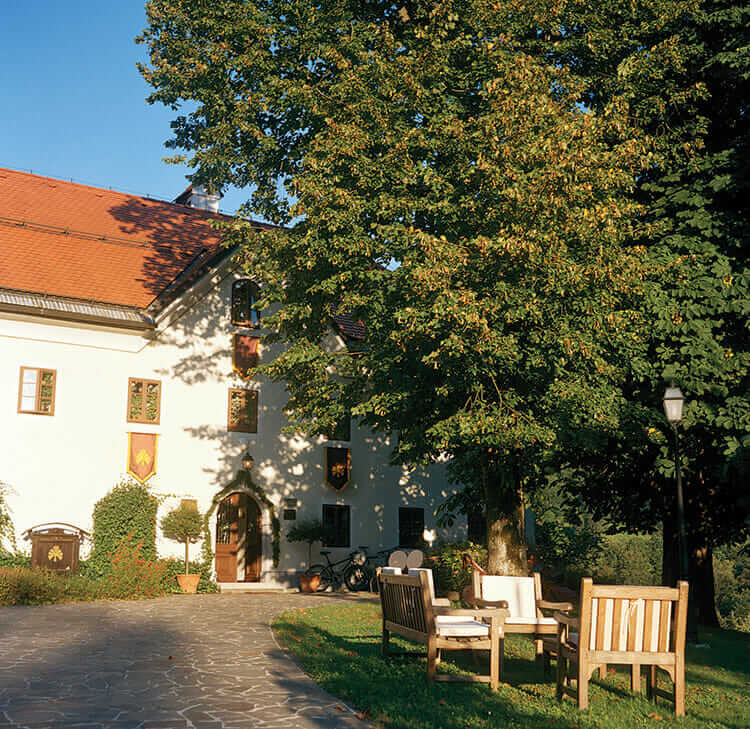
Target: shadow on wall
{"points": [[199, 356]]}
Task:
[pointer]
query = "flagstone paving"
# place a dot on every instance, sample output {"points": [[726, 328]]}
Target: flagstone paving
{"points": [[192, 662]]}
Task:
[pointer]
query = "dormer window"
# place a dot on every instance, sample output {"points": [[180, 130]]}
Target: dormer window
{"points": [[245, 294]]}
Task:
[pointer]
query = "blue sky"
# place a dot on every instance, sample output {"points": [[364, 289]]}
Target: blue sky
{"points": [[73, 102]]}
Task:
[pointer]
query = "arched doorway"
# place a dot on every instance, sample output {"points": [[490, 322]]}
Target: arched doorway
{"points": [[238, 539]]}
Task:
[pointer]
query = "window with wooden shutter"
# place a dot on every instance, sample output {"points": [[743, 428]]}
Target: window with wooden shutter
{"points": [[144, 401], [245, 294], [242, 414], [244, 355], [36, 391], [336, 523]]}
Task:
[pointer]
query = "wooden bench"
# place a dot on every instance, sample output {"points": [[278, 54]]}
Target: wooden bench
{"points": [[624, 624], [406, 603]]}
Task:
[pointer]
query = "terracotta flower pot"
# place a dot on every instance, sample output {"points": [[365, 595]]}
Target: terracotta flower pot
{"points": [[309, 583], [188, 583]]}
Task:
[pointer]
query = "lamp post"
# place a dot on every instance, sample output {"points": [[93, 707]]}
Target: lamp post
{"points": [[673, 403]]}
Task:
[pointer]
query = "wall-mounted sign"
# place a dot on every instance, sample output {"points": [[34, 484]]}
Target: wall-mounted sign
{"points": [[338, 466], [142, 455]]}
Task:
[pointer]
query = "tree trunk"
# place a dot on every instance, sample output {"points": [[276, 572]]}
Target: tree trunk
{"points": [[506, 552], [702, 575], [187, 553]]}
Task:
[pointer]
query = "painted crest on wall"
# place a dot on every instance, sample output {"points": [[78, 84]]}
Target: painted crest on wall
{"points": [[338, 466], [244, 355], [142, 449]]}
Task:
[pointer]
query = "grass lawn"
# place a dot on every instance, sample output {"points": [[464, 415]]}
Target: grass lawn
{"points": [[339, 646]]}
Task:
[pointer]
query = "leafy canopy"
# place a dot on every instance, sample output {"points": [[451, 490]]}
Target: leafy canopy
{"points": [[440, 185], [183, 524]]}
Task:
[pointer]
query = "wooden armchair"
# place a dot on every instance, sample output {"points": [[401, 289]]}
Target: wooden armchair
{"points": [[529, 614], [625, 624], [406, 603]]}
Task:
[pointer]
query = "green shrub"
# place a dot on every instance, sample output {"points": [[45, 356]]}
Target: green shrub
{"points": [[128, 509], [131, 575], [732, 581], [24, 586], [629, 559], [14, 559], [7, 531], [566, 552], [174, 567], [446, 560]]}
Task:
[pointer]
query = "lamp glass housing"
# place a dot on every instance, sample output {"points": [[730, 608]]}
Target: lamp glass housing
{"points": [[673, 402], [247, 461]]}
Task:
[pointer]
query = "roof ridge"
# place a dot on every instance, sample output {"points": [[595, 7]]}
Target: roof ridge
{"points": [[197, 211]]}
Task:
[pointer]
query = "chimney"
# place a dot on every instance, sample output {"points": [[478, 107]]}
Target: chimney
{"points": [[199, 197]]}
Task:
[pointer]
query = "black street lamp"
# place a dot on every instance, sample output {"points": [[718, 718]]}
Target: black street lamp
{"points": [[673, 403], [247, 461]]}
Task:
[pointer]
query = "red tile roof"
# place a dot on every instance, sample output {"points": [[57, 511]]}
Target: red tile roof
{"points": [[82, 242]]}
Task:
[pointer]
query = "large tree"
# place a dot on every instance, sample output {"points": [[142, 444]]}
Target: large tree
{"points": [[693, 102], [444, 188]]}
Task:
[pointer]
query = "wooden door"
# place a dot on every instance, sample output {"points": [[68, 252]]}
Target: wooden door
{"points": [[227, 538], [238, 540], [253, 542]]}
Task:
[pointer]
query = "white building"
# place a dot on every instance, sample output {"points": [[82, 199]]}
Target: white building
{"points": [[117, 317]]}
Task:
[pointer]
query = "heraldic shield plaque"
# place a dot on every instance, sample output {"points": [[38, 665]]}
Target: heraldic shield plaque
{"points": [[142, 455], [338, 467]]}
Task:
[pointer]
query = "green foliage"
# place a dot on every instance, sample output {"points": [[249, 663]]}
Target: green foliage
{"points": [[174, 567], [446, 562], [339, 646], [732, 579], [131, 575], [441, 185], [685, 70], [7, 531], [183, 524], [128, 509], [309, 531], [566, 552], [629, 559], [207, 553], [24, 586], [14, 559]]}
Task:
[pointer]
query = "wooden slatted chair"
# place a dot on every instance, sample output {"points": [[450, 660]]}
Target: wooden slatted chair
{"points": [[436, 601], [408, 611], [625, 624], [530, 615]]}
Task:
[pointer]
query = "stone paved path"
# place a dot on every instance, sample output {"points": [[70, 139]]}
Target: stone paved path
{"points": [[193, 661]]}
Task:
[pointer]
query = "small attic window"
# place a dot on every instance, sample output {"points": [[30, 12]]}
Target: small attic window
{"points": [[245, 294]]}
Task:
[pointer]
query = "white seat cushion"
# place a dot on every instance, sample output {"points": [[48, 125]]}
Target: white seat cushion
{"points": [[455, 627], [441, 619], [390, 570], [530, 621]]}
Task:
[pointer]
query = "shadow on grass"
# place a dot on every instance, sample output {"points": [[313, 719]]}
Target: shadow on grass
{"points": [[340, 648]]}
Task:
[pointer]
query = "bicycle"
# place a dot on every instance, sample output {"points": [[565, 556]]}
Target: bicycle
{"points": [[352, 574]]}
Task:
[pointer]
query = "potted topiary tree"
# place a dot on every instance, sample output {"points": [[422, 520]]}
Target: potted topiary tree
{"points": [[184, 525], [309, 531]]}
